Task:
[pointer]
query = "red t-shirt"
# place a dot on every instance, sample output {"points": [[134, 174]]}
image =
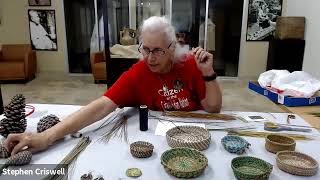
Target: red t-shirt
{"points": [[181, 89]]}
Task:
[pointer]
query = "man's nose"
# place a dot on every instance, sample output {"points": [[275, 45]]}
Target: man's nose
{"points": [[151, 56]]}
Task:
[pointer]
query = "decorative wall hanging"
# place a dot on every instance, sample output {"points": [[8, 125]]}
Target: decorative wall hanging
{"points": [[0, 16], [128, 37], [42, 24], [262, 18], [39, 2]]}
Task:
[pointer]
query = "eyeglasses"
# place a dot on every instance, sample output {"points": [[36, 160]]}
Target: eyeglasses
{"points": [[156, 51]]}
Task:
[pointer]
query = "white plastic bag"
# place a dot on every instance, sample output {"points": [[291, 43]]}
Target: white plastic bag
{"points": [[266, 78], [297, 84]]}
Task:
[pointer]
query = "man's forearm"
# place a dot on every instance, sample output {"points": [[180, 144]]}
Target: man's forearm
{"points": [[213, 100], [87, 115]]}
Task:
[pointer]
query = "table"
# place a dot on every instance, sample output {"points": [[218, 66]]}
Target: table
{"points": [[112, 159], [304, 112]]}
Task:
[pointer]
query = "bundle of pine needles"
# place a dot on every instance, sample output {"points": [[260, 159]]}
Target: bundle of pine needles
{"points": [[316, 114], [215, 116], [265, 134], [115, 116], [119, 130], [74, 153]]}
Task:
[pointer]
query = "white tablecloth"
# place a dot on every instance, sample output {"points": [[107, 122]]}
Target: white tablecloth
{"points": [[112, 159]]}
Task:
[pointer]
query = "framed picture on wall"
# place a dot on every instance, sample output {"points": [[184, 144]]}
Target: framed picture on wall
{"points": [[262, 17], [39, 2], [0, 14], [42, 24]]}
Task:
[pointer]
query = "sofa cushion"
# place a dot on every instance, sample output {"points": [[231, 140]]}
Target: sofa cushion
{"points": [[15, 52], [12, 70]]}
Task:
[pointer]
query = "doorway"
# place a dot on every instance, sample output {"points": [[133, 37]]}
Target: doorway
{"points": [[214, 25], [79, 20]]}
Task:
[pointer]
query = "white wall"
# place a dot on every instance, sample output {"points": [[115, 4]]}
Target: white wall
{"points": [[253, 54], [309, 9]]}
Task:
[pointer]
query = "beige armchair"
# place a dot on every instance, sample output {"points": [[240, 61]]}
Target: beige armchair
{"points": [[17, 62]]}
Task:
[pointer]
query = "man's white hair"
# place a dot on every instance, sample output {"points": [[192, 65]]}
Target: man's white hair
{"points": [[156, 24]]}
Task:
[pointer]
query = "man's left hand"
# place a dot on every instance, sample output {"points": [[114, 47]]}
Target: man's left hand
{"points": [[204, 61]]}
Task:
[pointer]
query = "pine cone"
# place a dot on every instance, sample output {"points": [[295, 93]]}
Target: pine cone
{"points": [[16, 107], [3, 152], [8, 126], [86, 176], [15, 121], [19, 159], [99, 178], [47, 122]]}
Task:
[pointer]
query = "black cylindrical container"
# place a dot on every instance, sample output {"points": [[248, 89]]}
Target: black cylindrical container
{"points": [[143, 116]]}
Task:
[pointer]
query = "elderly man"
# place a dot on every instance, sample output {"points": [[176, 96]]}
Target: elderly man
{"points": [[165, 79]]}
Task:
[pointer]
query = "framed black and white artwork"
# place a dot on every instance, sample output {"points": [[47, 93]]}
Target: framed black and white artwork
{"points": [[42, 26], [262, 17], [39, 2], [0, 15]]}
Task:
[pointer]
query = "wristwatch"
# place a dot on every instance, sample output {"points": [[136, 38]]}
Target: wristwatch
{"points": [[210, 78]]}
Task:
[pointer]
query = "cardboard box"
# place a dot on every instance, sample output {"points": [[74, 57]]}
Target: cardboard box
{"points": [[285, 100]]}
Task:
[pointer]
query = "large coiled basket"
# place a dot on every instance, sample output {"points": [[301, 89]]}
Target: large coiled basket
{"points": [[189, 136], [297, 163], [184, 162]]}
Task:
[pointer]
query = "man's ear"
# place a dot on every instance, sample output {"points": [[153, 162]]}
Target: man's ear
{"points": [[173, 46]]}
